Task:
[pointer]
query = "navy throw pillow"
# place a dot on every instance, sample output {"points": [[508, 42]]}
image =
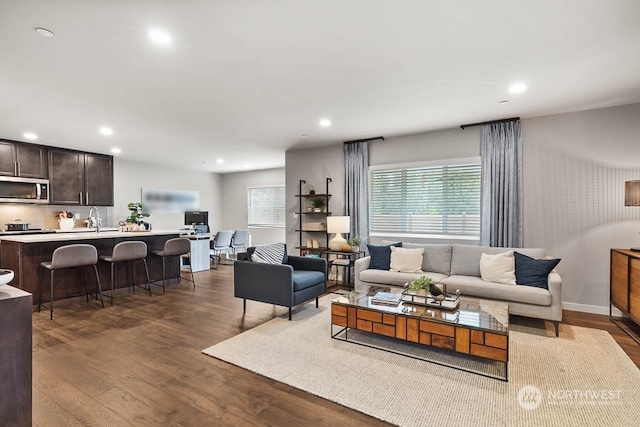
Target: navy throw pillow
{"points": [[381, 256], [533, 272]]}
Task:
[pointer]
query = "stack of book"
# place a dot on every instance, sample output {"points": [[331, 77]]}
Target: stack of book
{"points": [[386, 298]]}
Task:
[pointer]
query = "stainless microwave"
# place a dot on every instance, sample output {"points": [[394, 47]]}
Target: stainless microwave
{"points": [[24, 190]]}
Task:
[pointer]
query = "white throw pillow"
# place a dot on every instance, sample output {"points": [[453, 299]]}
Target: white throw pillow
{"points": [[499, 268], [406, 260]]}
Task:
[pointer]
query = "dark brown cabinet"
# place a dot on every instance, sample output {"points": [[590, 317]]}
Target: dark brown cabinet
{"points": [[23, 159], [77, 178]]}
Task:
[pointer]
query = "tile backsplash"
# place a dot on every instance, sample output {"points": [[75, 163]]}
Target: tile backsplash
{"points": [[45, 216]]}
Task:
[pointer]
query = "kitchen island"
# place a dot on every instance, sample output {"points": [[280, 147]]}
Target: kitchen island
{"points": [[24, 253]]}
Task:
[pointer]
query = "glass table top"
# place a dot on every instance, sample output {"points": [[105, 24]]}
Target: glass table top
{"points": [[473, 313]]}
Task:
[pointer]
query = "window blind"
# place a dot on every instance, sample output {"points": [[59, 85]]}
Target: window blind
{"points": [[266, 206], [434, 199]]}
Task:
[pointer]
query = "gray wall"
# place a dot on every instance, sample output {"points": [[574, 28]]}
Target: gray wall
{"points": [[130, 177], [575, 166], [313, 165], [234, 206]]}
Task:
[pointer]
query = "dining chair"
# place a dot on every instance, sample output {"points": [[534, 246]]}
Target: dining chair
{"points": [[220, 243], [239, 240]]}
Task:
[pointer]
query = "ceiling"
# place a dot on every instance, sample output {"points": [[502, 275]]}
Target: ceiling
{"points": [[243, 81]]}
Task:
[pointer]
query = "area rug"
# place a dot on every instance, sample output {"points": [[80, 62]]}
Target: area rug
{"points": [[582, 378]]}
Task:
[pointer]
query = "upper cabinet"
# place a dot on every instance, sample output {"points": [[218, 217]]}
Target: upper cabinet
{"points": [[77, 178], [23, 159]]}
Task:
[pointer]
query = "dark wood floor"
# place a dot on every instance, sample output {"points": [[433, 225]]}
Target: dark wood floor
{"points": [[139, 363]]}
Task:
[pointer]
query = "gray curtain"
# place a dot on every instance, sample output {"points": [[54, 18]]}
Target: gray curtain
{"points": [[501, 205], [356, 188]]}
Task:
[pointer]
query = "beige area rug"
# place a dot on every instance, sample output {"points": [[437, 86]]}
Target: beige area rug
{"points": [[582, 378]]}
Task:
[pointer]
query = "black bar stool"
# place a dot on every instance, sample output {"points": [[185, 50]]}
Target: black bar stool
{"points": [[71, 256], [128, 252], [178, 246]]}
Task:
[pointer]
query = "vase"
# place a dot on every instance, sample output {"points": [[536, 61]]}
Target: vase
{"points": [[355, 248], [66, 223]]}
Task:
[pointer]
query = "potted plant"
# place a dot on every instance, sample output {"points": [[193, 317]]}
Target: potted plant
{"points": [[355, 242], [420, 286], [318, 204], [65, 220], [137, 213]]}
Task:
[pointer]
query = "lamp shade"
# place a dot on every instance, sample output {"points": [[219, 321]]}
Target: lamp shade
{"points": [[632, 193], [338, 224]]}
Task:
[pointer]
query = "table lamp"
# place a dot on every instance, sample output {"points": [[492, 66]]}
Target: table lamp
{"points": [[632, 197], [337, 225]]}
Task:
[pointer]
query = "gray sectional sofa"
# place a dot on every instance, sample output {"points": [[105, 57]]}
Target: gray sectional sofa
{"points": [[458, 267]]}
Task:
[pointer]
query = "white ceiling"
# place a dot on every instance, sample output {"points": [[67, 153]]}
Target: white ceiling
{"points": [[244, 80]]}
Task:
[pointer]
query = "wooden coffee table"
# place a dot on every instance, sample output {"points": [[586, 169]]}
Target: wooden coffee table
{"points": [[477, 328]]}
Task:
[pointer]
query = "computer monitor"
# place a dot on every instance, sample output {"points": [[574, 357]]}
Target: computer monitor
{"points": [[196, 217]]}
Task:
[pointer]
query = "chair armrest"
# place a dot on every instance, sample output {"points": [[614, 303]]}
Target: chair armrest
{"points": [[307, 263], [270, 283]]}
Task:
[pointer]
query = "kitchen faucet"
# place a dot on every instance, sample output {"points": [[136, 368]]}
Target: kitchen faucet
{"points": [[93, 221]]}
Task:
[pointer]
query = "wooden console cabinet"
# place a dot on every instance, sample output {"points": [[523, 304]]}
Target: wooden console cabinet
{"points": [[15, 357], [625, 284]]}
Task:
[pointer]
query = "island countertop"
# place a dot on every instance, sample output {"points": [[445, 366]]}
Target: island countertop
{"points": [[88, 235], [24, 253]]}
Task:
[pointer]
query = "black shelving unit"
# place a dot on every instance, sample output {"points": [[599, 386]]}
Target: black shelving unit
{"points": [[304, 214]]}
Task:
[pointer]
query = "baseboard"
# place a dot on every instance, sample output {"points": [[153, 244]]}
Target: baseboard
{"points": [[594, 309]]}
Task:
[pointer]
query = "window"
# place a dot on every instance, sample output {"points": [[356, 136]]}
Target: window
{"points": [[427, 199], [266, 206]]}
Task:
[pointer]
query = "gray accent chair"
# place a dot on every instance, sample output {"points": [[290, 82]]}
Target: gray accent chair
{"points": [[295, 281], [71, 256]]}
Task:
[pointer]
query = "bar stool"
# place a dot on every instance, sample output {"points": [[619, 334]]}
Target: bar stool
{"points": [[178, 246], [71, 256], [128, 252]]}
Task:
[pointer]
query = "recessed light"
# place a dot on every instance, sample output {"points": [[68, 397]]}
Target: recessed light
{"points": [[247, 166], [44, 32], [219, 161], [160, 37], [304, 135], [116, 150], [30, 135], [503, 102], [517, 88], [325, 123], [106, 130]]}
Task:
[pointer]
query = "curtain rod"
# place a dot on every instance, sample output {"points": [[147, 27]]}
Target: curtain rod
{"points": [[365, 140], [512, 119]]}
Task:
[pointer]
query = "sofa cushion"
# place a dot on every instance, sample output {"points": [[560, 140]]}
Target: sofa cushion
{"points": [[303, 279], [499, 268], [533, 272], [465, 259], [382, 277], [406, 260], [476, 287], [435, 258], [381, 256], [270, 254]]}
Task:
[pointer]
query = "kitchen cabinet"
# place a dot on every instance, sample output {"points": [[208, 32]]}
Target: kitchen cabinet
{"points": [[23, 159], [78, 178]]}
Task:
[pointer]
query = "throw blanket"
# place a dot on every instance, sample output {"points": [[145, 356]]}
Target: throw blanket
{"points": [[270, 254]]}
